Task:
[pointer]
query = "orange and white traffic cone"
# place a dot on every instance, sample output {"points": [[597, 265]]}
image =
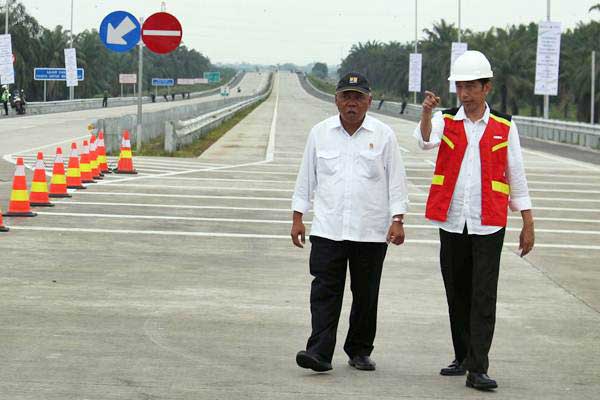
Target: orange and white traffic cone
{"points": [[73, 172], [102, 164], [125, 165], [39, 186], [2, 227], [58, 182], [84, 164], [96, 174], [19, 198]]}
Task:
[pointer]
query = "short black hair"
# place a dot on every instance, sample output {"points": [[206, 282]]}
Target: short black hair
{"points": [[483, 81]]}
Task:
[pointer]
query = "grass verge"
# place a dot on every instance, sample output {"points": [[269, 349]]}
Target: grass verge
{"points": [[155, 148], [323, 86]]}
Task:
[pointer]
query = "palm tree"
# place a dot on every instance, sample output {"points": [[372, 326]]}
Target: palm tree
{"points": [[596, 7]]}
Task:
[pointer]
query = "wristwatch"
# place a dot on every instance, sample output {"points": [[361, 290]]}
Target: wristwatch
{"points": [[398, 220]]}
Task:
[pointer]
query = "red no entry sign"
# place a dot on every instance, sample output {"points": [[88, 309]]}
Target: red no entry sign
{"points": [[161, 33]]}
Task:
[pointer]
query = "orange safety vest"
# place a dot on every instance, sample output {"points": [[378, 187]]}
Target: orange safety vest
{"points": [[493, 148]]}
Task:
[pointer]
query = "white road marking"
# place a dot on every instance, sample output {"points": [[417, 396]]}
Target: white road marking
{"points": [[271, 144], [186, 196], [254, 236]]}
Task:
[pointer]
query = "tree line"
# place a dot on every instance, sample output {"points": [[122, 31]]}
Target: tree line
{"points": [[512, 53], [36, 46]]}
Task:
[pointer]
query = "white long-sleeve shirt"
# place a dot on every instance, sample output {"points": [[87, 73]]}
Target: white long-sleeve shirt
{"points": [[465, 207], [355, 182]]}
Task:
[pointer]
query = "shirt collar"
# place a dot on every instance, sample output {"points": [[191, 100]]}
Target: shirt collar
{"points": [[460, 115], [367, 124]]}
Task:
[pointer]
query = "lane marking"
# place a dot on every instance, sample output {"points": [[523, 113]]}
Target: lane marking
{"points": [[279, 222], [562, 160], [271, 144], [254, 236], [186, 196]]}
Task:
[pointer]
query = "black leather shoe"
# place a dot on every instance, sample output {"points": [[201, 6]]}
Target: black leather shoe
{"points": [[454, 369], [364, 363], [479, 381], [311, 361]]}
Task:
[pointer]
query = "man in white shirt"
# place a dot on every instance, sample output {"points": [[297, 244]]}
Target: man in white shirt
{"points": [[479, 173], [353, 175]]}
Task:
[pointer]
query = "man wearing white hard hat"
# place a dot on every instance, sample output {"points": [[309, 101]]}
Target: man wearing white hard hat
{"points": [[479, 174]]}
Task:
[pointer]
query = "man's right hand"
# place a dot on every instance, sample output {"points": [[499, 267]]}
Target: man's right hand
{"points": [[430, 103], [298, 231]]}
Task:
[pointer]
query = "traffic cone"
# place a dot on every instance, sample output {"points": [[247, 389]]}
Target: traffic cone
{"points": [[39, 186], [84, 164], [58, 183], [2, 227], [96, 174], [19, 199], [73, 172], [125, 165], [102, 164]]}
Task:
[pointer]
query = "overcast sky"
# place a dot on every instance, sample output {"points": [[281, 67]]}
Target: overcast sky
{"points": [[279, 31]]}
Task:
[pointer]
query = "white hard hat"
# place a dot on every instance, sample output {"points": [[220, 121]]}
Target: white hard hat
{"points": [[470, 66]]}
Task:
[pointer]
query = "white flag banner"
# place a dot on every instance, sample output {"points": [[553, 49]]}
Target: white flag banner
{"points": [[185, 81], [71, 66], [457, 50], [128, 78], [547, 58], [200, 80], [7, 72], [414, 72]]}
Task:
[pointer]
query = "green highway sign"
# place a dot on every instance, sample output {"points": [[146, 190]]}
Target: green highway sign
{"points": [[212, 76]]}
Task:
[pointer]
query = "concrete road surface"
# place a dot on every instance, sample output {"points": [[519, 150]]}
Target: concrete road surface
{"points": [[182, 283]]}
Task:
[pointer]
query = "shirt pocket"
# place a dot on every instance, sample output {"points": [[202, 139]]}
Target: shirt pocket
{"points": [[370, 165], [328, 162]]}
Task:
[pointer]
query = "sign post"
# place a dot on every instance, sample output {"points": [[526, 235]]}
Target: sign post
{"points": [[54, 74], [414, 72], [547, 61], [161, 33]]}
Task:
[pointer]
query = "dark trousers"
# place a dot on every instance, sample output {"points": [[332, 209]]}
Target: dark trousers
{"points": [[328, 263], [470, 267], [5, 103]]}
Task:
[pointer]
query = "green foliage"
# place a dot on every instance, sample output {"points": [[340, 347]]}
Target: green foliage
{"points": [[323, 86], [512, 52], [320, 70], [36, 46]]}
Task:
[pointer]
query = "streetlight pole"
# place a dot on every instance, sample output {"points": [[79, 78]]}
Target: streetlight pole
{"points": [[416, 39], [138, 135], [71, 88], [6, 18], [593, 92], [459, 39], [547, 97]]}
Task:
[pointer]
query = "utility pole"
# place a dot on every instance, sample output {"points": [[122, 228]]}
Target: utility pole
{"points": [[459, 40], [547, 97], [416, 40], [71, 88], [140, 87], [593, 92]]}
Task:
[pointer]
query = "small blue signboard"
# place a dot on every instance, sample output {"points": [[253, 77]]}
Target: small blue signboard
{"points": [[163, 82], [55, 74], [120, 31]]}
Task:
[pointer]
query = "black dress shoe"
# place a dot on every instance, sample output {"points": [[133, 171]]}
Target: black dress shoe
{"points": [[364, 363], [454, 369], [305, 359], [480, 381]]}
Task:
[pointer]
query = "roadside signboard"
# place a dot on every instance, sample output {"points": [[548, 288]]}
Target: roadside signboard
{"points": [[185, 81], [163, 82], [7, 72], [212, 76], [120, 31], [55, 74], [161, 33], [128, 78], [458, 48], [414, 72], [547, 58]]}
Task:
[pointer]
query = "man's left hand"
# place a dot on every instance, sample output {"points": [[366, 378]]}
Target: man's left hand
{"points": [[526, 239], [396, 234]]}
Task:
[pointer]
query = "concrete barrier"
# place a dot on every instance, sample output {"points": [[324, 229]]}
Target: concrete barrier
{"points": [[153, 123], [574, 133], [49, 107]]}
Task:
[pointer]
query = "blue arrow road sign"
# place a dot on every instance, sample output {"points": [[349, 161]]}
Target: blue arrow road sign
{"points": [[163, 82], [55, 74], [120, 31]]}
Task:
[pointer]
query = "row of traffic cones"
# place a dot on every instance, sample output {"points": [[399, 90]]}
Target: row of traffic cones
{"points": [[87, 168]]}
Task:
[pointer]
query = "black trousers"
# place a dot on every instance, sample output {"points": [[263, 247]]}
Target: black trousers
{"points": [[328, 263], [470, 266]]}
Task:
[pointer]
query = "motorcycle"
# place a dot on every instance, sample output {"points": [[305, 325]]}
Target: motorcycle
{"points": [[19, 104]]}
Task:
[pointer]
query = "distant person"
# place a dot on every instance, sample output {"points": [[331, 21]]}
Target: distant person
{"points": [[478, 175], [403, 106], [381, 100], [172, 96], [165, 97], [5, 98], [153, 97], [353, 177], [105, 99]]}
